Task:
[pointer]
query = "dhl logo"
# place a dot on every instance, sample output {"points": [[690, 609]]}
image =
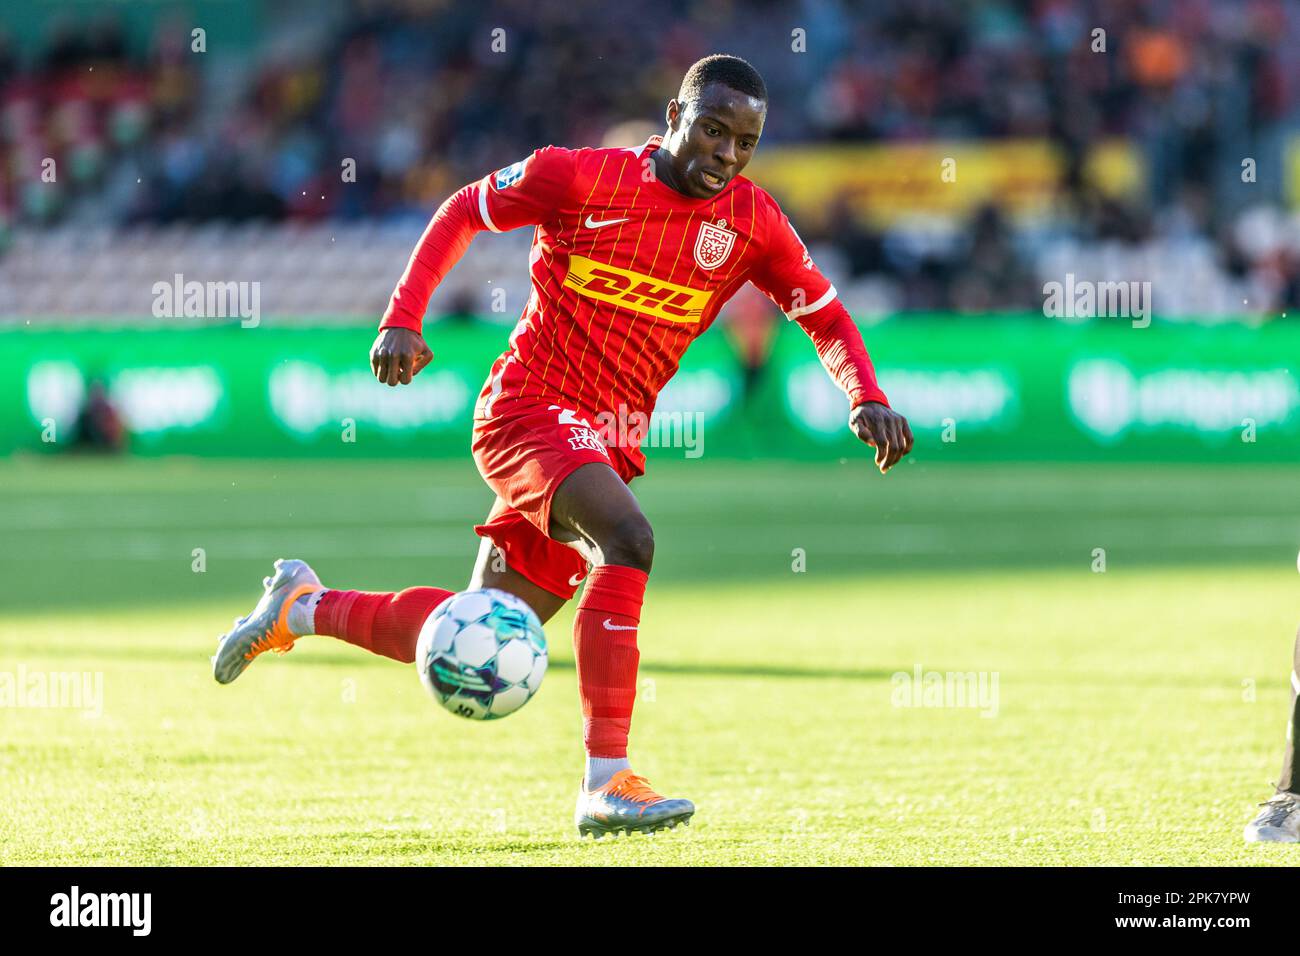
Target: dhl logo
{"points": [[666, 300]]}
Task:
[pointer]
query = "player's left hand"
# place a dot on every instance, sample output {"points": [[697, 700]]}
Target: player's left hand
{"points": [[885, 430]]}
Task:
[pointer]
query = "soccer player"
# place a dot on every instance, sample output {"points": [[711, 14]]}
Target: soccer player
{"points": [[634, 252], [1279, 819]]}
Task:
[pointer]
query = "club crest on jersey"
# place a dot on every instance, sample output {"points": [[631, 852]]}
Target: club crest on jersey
{"points": [[510, 174], [713, 244]]}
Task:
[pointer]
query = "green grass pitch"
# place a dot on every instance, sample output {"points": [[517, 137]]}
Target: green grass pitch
{"points": [[1139, 713]]}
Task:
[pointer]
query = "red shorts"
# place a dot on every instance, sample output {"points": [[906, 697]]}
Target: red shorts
{"points": [[523, 451]]}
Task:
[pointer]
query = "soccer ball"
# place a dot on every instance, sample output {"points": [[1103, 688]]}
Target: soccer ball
{"points": [[482, 654]]}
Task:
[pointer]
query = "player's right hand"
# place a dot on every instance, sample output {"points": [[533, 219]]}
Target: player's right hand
{"points": [[398, 355]]}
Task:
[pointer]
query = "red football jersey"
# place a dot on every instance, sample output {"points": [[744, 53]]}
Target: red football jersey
{"points": [[626, 272]]}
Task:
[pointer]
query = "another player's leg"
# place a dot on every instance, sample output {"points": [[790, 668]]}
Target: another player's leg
{"points": [[595, 511], [1278, 820]]}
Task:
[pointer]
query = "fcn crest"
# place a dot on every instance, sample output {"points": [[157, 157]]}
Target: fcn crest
{"points": [[713, 244]]}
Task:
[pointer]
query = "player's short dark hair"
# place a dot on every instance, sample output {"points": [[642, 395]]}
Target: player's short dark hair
{"points": [[730, 71]]}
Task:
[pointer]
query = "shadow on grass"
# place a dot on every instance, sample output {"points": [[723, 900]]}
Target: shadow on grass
{"points": [[87, 654]]}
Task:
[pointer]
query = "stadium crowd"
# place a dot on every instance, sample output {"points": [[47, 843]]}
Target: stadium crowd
{"points": [[144, 133]]}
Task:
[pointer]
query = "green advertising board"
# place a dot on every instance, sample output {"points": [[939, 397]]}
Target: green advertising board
{"points": [[998, 389]]}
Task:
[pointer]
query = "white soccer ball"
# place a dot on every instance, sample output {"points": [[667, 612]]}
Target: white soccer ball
{"points": [[482, 654]]}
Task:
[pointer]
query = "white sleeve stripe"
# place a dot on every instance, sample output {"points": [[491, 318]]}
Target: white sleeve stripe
{"points": [[821, 303], [482, 206]]}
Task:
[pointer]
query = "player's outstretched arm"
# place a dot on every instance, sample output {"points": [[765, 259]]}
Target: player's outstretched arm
{"points": [[884, 429], [398, 355], [787, 274], [399, 351], [524, 193], [844, 356]]}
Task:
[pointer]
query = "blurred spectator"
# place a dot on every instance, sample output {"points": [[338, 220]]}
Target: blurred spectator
{"points": [[419, 99], [750, 321], [99, 426]]}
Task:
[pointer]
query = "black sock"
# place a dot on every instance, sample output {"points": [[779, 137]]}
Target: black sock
{"points": [[1290, 779]]}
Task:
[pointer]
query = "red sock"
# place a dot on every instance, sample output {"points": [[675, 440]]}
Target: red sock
{"points": [[607, 657], [383, 623]]}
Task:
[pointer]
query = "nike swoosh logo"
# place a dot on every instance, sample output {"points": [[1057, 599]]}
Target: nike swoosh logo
{"points": [[593, 223], [576, 579], [618, 627]]}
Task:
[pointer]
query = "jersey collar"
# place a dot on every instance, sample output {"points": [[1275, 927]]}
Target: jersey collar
{"points": [[653, 143]]}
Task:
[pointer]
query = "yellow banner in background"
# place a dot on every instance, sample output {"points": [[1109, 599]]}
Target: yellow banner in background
{"points": [[885, 182], [1292, 172]]}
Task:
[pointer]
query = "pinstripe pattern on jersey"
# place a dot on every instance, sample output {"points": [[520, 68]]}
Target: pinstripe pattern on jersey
{"points": [[594, 310], [596, 355]]}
